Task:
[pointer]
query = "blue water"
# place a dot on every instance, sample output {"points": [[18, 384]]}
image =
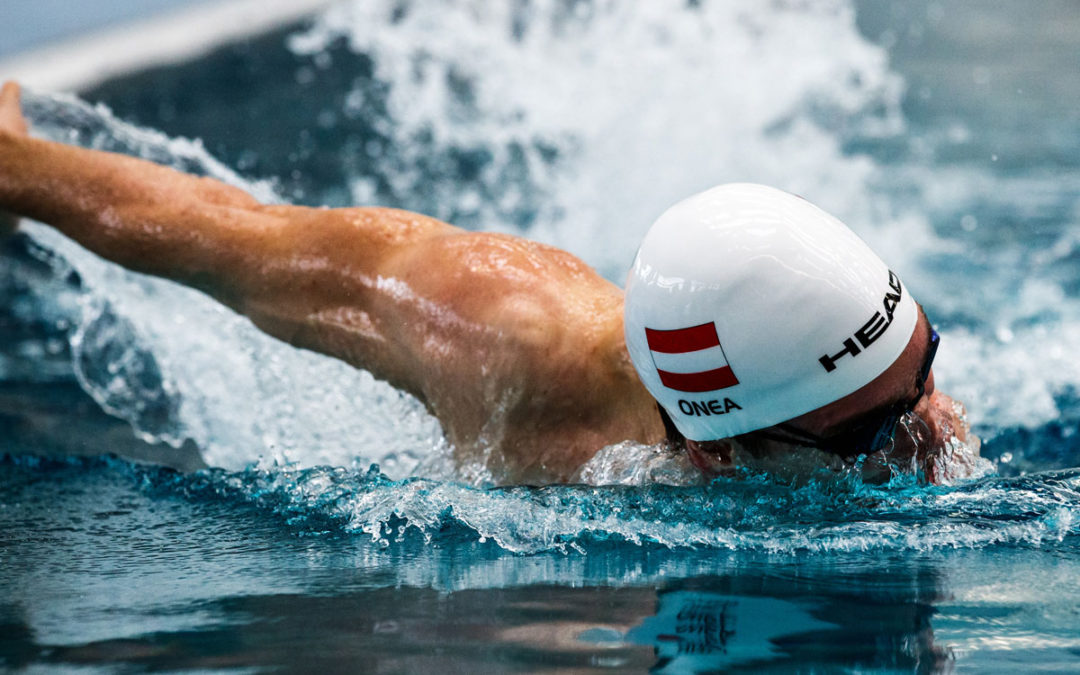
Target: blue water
{"points": [[260, 536], [30, 24]]}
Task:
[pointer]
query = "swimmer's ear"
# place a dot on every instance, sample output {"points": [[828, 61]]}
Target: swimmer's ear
{"points": [[11, 117]]}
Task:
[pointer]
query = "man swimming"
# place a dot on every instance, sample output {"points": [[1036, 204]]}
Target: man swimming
{"points": [[759, 323]]}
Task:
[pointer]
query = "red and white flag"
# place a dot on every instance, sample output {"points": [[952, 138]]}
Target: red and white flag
{"points": [[690, 359]]}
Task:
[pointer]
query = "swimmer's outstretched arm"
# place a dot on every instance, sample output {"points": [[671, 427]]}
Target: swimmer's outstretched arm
{"points": [[507, 341], [296, 272]]}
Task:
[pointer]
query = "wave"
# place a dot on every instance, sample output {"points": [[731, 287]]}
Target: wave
{"points": [[750, 513]]}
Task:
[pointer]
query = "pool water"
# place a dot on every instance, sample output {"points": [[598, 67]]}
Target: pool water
{"points": [[240, 523]]}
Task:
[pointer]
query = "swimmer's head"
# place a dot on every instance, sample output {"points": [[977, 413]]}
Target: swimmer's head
{"points": [[747, 306]]}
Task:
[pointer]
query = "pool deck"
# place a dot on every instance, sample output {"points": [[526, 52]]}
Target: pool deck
{"points": [[165, 38]]}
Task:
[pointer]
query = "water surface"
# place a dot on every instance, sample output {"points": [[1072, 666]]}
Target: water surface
{"points": [[945, 135]]}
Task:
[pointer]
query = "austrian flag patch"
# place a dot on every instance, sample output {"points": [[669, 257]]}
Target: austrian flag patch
{"points": [[690, 359]]}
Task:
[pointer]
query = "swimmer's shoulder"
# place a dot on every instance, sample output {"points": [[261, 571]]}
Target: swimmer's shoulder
{"points": [[509, 283]]}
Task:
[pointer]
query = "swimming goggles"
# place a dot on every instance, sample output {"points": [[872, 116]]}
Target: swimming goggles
{"points": [[870, 433]]}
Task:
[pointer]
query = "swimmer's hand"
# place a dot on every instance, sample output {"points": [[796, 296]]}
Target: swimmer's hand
{"points": [[11, 118], [12, 123]]}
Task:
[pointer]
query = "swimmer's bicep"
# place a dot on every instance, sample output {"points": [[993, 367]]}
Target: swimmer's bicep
{"points": [[331, 280]]}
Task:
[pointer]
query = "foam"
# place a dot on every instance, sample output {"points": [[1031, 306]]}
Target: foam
{"points": [[747, 514]]}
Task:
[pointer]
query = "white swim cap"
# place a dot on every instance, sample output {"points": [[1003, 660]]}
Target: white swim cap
{"points": [[748, 306]]}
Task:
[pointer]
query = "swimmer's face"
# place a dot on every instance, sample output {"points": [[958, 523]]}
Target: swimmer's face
{"points": [[866, 421], [908, 384], [922, 435]]}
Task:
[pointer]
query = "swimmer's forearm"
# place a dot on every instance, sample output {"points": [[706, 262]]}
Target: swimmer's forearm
{"points": [[304, 275], [156, 220], [141, 215]]}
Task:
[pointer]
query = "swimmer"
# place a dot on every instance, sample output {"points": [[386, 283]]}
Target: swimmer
{"points": [[756, 325]]}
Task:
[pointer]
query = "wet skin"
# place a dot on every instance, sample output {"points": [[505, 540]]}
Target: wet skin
{"points": [[515, 346]]}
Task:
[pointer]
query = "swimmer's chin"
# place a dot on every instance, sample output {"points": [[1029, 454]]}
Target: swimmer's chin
{"points": [[954, 449], [935, 445], [956, 454]]}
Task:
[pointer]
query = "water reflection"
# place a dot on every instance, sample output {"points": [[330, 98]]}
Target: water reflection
{"points": [[525, 629], [754, 621], [714, 630], [696, 631]]}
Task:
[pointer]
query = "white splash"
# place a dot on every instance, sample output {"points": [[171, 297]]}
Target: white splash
{"points": [[641, 104]]}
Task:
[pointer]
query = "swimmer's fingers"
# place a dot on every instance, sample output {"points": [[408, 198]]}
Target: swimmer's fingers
{"points": [[11, 117]]}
